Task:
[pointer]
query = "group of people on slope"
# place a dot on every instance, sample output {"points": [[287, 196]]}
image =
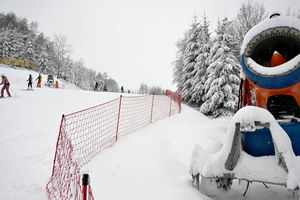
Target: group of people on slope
{"points": [[96, 88], [6, 83], [39, 79]]}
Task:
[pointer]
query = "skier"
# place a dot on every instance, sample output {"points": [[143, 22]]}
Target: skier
{"points": [[29, 82], [6, 85], [39, 78], [122, 89], [96, 86]]}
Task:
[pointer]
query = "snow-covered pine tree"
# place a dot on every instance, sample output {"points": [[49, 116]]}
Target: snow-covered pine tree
{"points": [[40, 53], [20, 46], [178, 76], [202, 62], [8, 43], [3, 41], [28, 50], [178, 64], [156, 90], [144, 89], [91, 77], [65, 71], [50, 65], [222, 84], [43, 61], [189, 60], [75, 72], [100, 79], [112, 85], [84, 81], [1, 44]]}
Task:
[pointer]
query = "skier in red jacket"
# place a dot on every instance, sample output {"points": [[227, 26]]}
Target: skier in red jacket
{"points": [[6, 85]]}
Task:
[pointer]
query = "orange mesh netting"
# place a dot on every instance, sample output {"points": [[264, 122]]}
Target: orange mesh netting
{"points": [[86, 133]]}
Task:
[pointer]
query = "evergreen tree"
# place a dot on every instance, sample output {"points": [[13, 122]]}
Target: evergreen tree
{"points": [[178, 64], [65, 72], [40, 55], [20, 46], [28, 49], [8, 43], [189, 60], [144, 89], [112, 85], [222, 84], [75, 72], [100, 79], [202, 62], [156, 90]]}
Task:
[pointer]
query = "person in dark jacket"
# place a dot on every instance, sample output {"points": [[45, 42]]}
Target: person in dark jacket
{"points": [[96, 86], [5, 84], [29, 82]]}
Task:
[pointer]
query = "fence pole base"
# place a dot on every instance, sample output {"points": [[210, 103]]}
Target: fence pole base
{"points": [[85, 183]]}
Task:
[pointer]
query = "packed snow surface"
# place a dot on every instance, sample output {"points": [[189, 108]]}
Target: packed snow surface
{"points": [[151, 163]]}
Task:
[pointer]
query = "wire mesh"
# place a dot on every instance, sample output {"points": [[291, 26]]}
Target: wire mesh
{"points": [[86, 133], [135, 113]]}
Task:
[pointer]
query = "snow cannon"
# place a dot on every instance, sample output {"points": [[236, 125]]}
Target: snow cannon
{"points": [[263, 138], [271, 64]]}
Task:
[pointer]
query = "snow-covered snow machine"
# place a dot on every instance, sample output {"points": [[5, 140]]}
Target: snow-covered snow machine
{"points": [[263, 137], [50, 81]]}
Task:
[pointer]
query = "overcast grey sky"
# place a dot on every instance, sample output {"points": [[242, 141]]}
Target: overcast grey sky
{"points": [[132, 40]]}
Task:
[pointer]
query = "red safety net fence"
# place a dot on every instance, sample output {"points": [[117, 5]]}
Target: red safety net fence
{"points": [[86, 133]]}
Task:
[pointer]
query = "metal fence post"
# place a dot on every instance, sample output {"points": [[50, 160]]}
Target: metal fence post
{"points": [[85, 183], [152, 109], [118, 122], [179, 103], [170, 104], [57, 142]]}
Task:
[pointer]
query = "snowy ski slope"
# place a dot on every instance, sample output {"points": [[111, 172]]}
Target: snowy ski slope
{"points": [[151, 163]]}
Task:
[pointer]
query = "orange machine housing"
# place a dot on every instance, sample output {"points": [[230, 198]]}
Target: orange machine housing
{"points": [[262, 95]]}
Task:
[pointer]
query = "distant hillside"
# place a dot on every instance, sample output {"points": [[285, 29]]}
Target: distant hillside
{"points": [[18, 78], [22, 44]]}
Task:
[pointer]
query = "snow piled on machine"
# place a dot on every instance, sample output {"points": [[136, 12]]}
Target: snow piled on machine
{"points": [[273, 71], [263, 168], [270, 22]]}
